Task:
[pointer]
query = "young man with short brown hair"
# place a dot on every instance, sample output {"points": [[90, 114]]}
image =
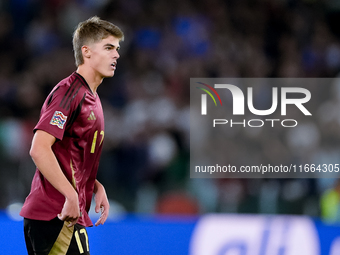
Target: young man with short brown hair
{"points": [[66, 148]]}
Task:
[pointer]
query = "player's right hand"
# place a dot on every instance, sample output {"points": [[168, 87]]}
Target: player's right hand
{"points": [[70, 212]]}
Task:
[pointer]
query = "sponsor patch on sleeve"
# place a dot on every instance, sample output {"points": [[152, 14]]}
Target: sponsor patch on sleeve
{"points": [[58, 119]]}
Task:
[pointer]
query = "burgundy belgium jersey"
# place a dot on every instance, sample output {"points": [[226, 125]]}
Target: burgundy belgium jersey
{"points": [[74, 115]]}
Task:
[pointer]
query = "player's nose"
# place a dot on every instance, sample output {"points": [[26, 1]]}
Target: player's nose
{"points": [[116, 55]]}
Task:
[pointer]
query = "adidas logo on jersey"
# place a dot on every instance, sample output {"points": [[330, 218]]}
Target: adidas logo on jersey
{"points": [[92, 116]]}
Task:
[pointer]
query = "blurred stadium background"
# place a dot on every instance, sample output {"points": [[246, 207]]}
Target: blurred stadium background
{"points": [[145, 162]]}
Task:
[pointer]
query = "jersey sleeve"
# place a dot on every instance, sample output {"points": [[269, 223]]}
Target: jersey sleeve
{"points": [[56, 111]]}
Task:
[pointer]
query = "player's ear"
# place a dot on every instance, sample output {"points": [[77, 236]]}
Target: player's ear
{"points": [[86, 51]]}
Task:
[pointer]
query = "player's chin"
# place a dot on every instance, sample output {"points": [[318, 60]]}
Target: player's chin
{"points": [[109, 74]]}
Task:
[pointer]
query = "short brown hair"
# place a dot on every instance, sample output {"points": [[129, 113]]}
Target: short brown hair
{"points": [[91, 31]]}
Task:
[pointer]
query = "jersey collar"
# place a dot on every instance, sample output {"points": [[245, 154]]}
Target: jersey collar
{"points": [[83, 81]]}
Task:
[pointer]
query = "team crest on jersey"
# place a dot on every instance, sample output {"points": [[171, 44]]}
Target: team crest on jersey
{"points": [[58, 119]]}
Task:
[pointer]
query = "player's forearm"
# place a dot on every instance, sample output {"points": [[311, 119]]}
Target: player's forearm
{"points": [[97, 185], [48, 165]]}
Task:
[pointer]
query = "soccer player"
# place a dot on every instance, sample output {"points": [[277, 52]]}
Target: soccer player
{"points": [[66, 148]]}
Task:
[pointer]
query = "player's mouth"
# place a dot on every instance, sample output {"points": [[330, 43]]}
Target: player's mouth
{"points": [[113, 65]]}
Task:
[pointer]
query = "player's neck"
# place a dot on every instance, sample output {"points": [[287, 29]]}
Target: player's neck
{"points": [[90, 77]]}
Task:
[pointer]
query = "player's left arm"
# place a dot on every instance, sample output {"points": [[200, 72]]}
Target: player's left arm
{"points": [[102, 203]]}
